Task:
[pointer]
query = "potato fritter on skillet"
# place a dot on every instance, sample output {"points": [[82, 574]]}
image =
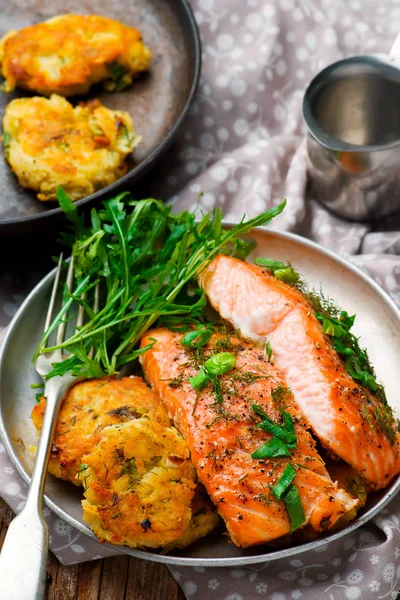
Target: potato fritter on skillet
{"points": [[67, 54], [89, 407], [49, 143], [139, 486]]}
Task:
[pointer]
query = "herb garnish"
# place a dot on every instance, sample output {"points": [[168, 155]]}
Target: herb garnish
{"points": [[142, 257], [274, 448], [284, 481], [197, 338], [285, 273], [277, 430], [6, 144], [120, 78], [217, 365], [284, 438]]}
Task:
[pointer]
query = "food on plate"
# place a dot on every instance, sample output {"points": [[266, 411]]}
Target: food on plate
{"points": [[88, 408], [49, 143], [287, 427], [329, 375], [139, 484], [204, 520], [69, 53], [114, 438], [233, 425], [348, 479]]}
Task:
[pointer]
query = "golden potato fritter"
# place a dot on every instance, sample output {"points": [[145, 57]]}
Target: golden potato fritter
{"points": [[67, 54], [49, 143], [89, 407], [139, 484], [204, 519]]}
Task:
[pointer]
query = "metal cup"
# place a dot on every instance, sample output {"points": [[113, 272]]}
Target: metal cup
{"points": [[352, 110]]}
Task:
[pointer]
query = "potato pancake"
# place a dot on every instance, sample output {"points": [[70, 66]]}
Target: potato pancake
{"points": [[89, 407], [139, 484], [49, 143], [67, 54]]}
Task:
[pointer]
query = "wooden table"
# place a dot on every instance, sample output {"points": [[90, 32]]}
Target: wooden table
{"points": [[118, 578]]}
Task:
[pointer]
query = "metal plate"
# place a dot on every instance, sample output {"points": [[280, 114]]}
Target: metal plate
{"points": [[157, 101], [377, 323]]}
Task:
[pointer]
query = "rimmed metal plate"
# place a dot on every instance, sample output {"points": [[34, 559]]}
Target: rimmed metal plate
{"points": [[377, 323]]}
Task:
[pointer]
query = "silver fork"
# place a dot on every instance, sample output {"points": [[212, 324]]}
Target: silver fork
{"points": [[23, 558]]}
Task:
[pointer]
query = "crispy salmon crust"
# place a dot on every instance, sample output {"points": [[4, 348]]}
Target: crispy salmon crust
{"points": [[67, 54], [342, 414], [221, 438], [49, 143], [88, 408]]}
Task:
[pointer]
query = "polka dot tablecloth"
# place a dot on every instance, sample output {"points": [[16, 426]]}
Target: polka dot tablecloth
{"points": [[243, 147]]}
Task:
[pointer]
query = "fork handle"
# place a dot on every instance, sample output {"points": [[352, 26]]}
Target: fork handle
{"points": [[23, 558]]}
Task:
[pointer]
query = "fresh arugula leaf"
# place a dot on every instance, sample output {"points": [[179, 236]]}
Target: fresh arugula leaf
{"points": [[144, 260]]}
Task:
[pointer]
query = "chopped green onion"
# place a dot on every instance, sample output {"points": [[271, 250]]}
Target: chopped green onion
{"points": [[268, 350], [342, 349], [281, 271], [197, 338], [294, 508], [277, 430], [347, 321], [38, 396], [331, 328], [288, 421], [284, 482], [199, 381], [35, 386], [6, 139], [287, 275], [269, 263], [274, 448], [219, 364]]}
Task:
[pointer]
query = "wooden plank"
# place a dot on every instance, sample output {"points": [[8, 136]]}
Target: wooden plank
{"points": [[150, 581], [65, 585], [51, 584], [89, 583], [6, 516], [114, 577]]}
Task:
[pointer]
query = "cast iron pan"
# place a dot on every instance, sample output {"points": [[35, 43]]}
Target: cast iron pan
{"points": [[158, 101]]}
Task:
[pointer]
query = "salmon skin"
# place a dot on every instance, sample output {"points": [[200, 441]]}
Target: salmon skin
{"points": [[347, 419], [222, 436]]}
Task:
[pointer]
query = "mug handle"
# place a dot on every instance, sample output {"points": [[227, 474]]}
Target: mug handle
{"points": [[394, 54]]}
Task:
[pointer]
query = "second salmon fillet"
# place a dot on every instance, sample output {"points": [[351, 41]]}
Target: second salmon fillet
{"points": [[346, 417], [222, 433]]}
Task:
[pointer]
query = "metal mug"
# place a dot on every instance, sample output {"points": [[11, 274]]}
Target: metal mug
{"points": [[352, 110]]}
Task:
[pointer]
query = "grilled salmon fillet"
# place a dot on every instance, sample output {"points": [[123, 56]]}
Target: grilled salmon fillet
{"points": [[222, 436], [346, 418]]}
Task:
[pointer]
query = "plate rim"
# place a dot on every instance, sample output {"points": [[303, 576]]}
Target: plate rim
{"points": [[235, 561], [141, 169]]}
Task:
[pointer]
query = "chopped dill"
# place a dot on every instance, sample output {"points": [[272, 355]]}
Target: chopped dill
{"points": [[176, 382], [280, 396]]}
